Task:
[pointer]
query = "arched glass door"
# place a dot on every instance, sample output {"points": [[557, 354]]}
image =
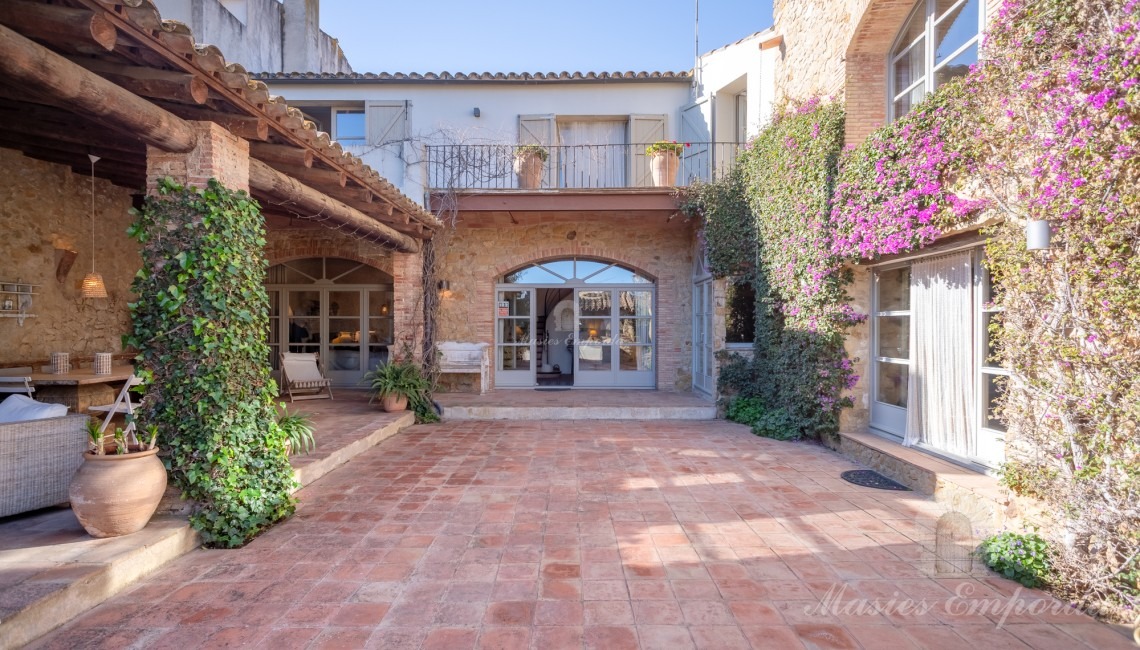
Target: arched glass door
{"points": [[338, 308], [600, 313]]}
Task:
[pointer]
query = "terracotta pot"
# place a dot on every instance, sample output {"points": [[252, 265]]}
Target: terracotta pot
{"points": [[663, 167], [117, 494], [528, 168], [394, 403]]}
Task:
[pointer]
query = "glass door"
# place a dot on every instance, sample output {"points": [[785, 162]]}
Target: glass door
{"points": [[702, 341], [635, 338], [514, 343], [594, 353], [891, 350], [614, 338]]}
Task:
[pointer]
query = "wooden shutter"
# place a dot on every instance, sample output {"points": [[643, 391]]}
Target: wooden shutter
{"points": [[536, 129], [387, 122], [643, 131], [695, 132]]}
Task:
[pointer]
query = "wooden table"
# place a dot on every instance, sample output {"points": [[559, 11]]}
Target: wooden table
{"points": [[80, 389]]}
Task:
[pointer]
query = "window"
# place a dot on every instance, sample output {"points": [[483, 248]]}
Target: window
{"points": [[349, 127], [993, 376], [740, 312], [938, 43]]}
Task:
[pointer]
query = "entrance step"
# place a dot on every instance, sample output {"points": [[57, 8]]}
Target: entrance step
{"points": [[531, 404]]}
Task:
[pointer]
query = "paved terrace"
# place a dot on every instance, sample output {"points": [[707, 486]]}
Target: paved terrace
{"points": [[583, 534]]}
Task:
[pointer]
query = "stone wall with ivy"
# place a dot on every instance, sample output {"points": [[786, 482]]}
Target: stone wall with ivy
{"points": [[200, 329]]}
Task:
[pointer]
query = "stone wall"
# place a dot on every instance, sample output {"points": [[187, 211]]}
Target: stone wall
{"points": [[47, 210], [475, 258], [284, 243]]}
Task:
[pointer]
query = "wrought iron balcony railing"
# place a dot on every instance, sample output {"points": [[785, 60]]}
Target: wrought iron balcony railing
{"points": [[492, 166]]}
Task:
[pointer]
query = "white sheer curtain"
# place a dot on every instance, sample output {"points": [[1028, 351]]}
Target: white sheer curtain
{"points": [[941, 392], [592, 154]]}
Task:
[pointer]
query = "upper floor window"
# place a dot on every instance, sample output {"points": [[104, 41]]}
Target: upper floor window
{"points": [[349, 126], [938, 43]]}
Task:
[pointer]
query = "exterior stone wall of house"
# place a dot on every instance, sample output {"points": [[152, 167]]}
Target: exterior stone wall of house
{"points": [[475, 258], [858, 346], [815, 34], [47, 210]]}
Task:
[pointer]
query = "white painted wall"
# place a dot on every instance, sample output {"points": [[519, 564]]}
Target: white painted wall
{"points": [[725, 72]]}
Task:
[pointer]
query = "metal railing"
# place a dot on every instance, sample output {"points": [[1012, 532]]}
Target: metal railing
{"points": [[492, 166]]}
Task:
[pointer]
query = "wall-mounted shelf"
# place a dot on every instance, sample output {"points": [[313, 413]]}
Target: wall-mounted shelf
{"points": [[16, 300]]}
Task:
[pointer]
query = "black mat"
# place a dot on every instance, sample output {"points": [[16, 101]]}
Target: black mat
{"points": [[872, 479], [553, 388]]}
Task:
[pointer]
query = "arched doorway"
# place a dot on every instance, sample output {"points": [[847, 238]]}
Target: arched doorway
{"points": [[338, 308], [579, 322]]}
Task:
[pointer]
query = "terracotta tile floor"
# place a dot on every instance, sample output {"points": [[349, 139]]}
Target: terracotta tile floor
{"points": [[585, 535]]}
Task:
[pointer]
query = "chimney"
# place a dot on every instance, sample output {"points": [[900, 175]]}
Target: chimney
{"points": [[301, 38]]}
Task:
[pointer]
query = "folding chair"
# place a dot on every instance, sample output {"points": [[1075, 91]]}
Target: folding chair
{"points": [[122, 406], [16, 380], [301, 372]]}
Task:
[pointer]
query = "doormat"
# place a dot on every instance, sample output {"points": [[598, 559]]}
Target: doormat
{"points": [[872, 479], [553, 388]]}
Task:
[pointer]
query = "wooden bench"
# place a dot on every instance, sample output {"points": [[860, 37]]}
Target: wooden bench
{"points": [[466, 358]]}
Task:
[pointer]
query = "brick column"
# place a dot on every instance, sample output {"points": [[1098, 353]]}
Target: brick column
{"points": [[219, 154], [408, 320]]}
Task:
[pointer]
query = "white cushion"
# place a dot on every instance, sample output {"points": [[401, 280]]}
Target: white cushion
{"points": [[21, 408]]}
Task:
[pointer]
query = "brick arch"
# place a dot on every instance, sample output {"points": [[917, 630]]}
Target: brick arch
{"points": [[865, 82], [605, 253]]}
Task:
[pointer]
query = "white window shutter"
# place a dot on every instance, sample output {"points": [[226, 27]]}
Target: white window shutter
{"points": [[643, 131], [387, 122], [536, 129], [695, 133]]}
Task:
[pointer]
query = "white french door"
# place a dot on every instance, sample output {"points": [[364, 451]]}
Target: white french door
{"points": [[350, 328], [614, 344], [514, 339], [702, 337]]}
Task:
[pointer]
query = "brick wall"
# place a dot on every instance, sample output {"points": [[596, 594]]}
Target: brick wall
{"points": [[476, 258], [46, 210], [219, 154]]}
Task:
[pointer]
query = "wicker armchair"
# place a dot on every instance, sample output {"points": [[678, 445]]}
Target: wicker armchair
{"points": [[37, 461]]}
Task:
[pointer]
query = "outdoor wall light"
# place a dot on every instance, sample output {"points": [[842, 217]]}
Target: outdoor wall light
{"points": [[475, 112], [444, 285], [1037, 235]]}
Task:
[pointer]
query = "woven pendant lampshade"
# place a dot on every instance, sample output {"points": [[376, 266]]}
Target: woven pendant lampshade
{"points": [[93, 286]]}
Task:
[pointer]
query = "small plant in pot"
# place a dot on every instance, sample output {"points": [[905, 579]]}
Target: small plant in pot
{"points": [[397, 383], [117, 489], [298, 428]]}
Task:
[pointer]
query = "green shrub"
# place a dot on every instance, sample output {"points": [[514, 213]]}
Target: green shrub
{"points": [[1024, 557], [774, 423]]}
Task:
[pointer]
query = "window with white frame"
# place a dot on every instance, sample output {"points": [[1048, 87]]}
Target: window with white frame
{"points": [[349, 126], [938, 42]]}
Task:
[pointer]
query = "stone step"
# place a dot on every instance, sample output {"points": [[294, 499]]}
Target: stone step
{"points": [[455, 413]]}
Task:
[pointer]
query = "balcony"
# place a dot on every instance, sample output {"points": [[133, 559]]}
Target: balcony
{"points": [[466, 167]]}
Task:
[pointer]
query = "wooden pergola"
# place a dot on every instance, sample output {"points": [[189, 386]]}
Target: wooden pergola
{"points": [[111, 78]]}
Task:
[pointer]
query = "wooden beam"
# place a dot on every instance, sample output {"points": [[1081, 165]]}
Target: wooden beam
{"points": [[319, 178], [85, 93], [290, 194], [56, 24], [281, 154], [243, 126], [150, 82]]}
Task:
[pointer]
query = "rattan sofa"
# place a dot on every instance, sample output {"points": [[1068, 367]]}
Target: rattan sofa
{"points": [[37, 460]]}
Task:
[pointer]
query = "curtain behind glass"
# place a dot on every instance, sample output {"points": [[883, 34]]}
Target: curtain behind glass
{"points": [[941, 392], [592, 154]]}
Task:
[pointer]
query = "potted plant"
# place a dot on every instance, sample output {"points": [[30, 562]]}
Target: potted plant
{"points": [[396, 383], [530, 162], [298, 428], [664, 159], [120, 483]]}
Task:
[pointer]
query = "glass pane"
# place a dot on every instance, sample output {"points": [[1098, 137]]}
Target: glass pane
{"points": [[594, 357], [532, 275], [894, 289], [304, 303], [636, 330], [910, 67], [908, 101], [955, 29], [364, 274], [274, 303], [344, 331], [335, 267], [379, 303], [894, 337], [635, 357], [512, 357], [343, 358], [506, 358], [995, 388], [740, 312], [350, 127], [584, 268], [988, 319], [892, 384], [515, 330], [617, 275], [377, 354], [593, 303], [914, 27], [344, 303], [514, 303], [565, 268], [380, 330], [958, 67], [635, 303], [594, 330], [298, 271]]}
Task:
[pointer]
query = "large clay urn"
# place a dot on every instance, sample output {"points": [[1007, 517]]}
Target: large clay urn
{"points": [[116, 494], [663, 167], [393, 403], [528, 166]]}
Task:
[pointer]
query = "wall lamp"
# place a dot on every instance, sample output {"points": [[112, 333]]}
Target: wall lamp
{"points": [[1038, 235], [444, 285], [475, 112]]}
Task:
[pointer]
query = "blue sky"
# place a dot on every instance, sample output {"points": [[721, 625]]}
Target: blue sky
{"points": [[534, 35]]}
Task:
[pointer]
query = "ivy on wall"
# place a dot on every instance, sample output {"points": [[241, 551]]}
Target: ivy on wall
{"points": [[200, 328]]}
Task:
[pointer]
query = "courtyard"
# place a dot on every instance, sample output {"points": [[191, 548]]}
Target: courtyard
{"points": [[599, 534]]}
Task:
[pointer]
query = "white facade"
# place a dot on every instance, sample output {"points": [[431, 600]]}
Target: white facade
{"points": [[735, 91]]}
